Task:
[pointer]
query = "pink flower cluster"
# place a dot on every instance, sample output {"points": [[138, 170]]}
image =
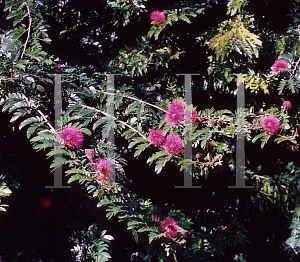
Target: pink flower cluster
{"points": [[72, 137], [209, 146], [156, 137], [158, 17], [104, 170], [175, 113], [194, 116], [279, 66], [90, 154], [270, 124], [287, 105], [170, 227], [172, 144], [45, 202]]}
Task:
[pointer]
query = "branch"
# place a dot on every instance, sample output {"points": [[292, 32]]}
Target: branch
{"points": [[46, 120], [295, 67], [28, 30], [265, 178], [136, 99], [115, 118], [133, 98], [43, 116]]}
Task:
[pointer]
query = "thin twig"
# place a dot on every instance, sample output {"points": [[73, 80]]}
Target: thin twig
{"points": [[295, 67], [136, 99], [174, 256], [265, 178], [115, 118], [28, 30], [42, 115], [6, 79], [46, 120], [133, 98]]}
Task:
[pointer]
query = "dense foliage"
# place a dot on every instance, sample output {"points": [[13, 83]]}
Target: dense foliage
{"points": [[124, 68]]}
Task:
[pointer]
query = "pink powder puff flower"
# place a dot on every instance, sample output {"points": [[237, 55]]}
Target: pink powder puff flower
{"points": [[158, 17], [270, 124], [282, 127], [170, 227], [156, 137], [173, 144], [287, 105], [279, 66], [57, 65], [90, 154], [194, 116], [175, 113], [72, 137], [209, 146], [45, 202], [104, 170]]}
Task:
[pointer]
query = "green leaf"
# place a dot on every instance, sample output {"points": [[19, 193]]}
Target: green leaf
{"points": [[161, 163], [75, 177], [57, 151], [99, 122], [264, 140], [47, 40], [75, 171], [29, 121], [17, 115], [5, 191], [131, 107], [33, 127], [154, 236], [184, 18], [15, 13], [128, 134], [57, 162], [19, 18], [199, 132], [156, 156], [280, 139], [147, 229], [63, 32], [140, 148], [257, 137], [85, 131], [185, 163], [136, 141], [150, 33], [43, 145]]}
